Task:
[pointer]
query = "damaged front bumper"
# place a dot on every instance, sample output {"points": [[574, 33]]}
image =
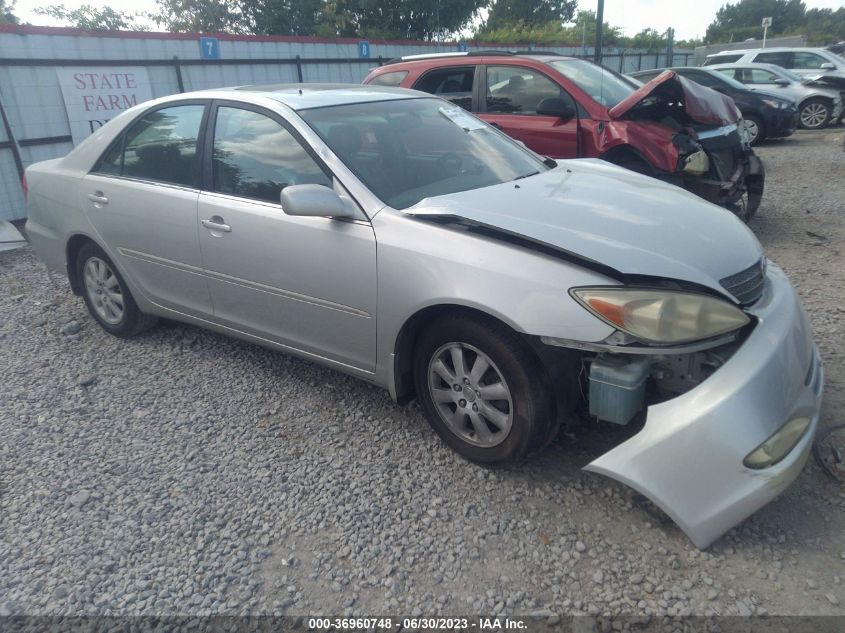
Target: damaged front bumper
{"points": [[748, 177], [688, 458]]}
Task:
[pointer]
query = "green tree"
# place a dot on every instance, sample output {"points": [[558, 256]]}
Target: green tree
{"points": [[736, 22], [93, 18], [201, 16], [6, 15], [399, 19], [531, 13], [282, 17]]}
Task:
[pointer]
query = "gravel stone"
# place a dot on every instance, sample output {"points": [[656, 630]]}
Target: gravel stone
{"points": [[202, 475]]}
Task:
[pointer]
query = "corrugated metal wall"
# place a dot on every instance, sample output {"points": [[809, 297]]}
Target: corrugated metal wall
{"points": [[30, 91]]}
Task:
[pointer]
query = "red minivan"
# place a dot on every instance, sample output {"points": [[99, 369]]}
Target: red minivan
{"points": [[566, 107]]}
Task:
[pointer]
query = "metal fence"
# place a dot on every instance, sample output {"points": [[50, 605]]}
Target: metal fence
{"points": [[34, 123]]}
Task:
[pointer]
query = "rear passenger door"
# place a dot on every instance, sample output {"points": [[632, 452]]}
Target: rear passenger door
{"points": [[453, 83], [511, 95], [141, 198]]}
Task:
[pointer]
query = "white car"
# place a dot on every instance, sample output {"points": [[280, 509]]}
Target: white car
{"points": [[807, 62]]}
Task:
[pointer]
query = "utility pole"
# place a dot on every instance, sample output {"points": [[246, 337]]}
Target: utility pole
{"points": [[599, 32], [670, 46]]}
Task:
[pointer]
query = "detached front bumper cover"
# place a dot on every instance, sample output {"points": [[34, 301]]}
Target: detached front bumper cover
{"points": [[688, 459]]}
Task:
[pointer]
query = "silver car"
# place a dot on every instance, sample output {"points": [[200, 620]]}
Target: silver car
{"points": [[816, 106], [393, 236]]}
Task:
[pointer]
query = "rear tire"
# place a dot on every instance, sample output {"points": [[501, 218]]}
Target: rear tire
{"points": [[107, 296], [483, 390], [814, 114]]}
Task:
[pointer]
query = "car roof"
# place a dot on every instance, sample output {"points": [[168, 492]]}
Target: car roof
{"points": [[771, 49], [772, 67], [305, 96], [542, 56]]}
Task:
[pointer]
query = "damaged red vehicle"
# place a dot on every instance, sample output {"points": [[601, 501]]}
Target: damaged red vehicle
{"points": [[565, 107]]}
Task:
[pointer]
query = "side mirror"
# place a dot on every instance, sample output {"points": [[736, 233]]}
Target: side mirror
{"points": [[827, 66], [783, 83], [554, 106], [316, 201]]}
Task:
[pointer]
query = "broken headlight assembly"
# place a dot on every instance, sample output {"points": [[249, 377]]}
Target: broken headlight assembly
{"points": [[697, 163], [662, 316]]}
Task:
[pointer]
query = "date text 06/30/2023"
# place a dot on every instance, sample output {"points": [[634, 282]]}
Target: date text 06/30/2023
{"points": [[418, 623]]}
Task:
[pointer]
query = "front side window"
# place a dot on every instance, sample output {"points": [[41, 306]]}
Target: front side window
{"points": [[389, 79], [452, 84], [518, 90], [410, 149], [810, 61], [758, 76], [256, 157], [161, 146]]}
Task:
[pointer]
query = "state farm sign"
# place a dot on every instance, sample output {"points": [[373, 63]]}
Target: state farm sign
{"points": [[93, 96]]}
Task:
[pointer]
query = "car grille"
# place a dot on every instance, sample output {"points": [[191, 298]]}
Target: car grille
{"points": [[746, 286]]}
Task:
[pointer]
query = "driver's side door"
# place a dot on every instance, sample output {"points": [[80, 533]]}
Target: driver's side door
{"points": [[509, 101], [308, 283]]}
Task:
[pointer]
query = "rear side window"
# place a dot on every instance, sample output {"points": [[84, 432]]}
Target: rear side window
{"points": [[161, 146], [453, 84], [389, 79], [722, 59], [778, 59], [758, 76], [518, 90], [255, 157]]}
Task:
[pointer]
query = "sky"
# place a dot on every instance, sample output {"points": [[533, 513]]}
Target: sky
{"points": [[688, 18]]}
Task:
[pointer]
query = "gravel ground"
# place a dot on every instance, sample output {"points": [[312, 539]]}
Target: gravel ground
{"points": [[187, 473]]}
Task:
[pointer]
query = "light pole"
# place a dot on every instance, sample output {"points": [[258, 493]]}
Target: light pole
{"points": [[599, 32]]}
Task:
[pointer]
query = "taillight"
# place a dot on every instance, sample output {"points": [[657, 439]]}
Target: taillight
{"points": [[24, 187]]}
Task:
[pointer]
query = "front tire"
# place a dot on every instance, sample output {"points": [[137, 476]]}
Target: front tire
{"points": [[483, 390], [107, 296], [756, 129], [814, 114]]}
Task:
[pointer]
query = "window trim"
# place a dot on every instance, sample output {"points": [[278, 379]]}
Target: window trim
{"points": [[121, 139], [482, 97], [207, 180]]}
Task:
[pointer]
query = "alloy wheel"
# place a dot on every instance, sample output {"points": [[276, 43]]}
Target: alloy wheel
{"points": [[753, 130], [813, 115], [470, 394], [103, 290]]}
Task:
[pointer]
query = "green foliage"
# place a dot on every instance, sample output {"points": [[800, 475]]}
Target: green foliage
{"points": [[6, 15], [282, 17], [399, 19], [551, 33], [740, 21], [530, 13], [93, 18], [201, 16]]}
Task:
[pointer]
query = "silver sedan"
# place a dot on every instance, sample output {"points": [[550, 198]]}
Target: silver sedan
{"points": [[395, 237]]}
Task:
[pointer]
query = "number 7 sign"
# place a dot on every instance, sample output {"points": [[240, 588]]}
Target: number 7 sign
{"points": [[209, 48]]}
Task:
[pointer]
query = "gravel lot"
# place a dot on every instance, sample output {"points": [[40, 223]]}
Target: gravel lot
{"points": [[184, 472]]}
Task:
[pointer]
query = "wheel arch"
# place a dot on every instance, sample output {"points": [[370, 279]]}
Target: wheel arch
{"points": [[74, 244]]}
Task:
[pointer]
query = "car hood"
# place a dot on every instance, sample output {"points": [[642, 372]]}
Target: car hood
{"points": [[701, 104], [609, 219], [827, 79]]}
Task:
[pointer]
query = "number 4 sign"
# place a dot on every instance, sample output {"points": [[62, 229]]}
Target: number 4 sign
{"points": [[209, 48]]}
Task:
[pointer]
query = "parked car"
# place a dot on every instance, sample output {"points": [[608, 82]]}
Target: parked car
{"points": [[766, 115], [821, 66], [816, 106], [395, 237], [564, 107]]}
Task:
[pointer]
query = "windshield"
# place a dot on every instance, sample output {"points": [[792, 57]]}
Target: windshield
{"points": [[604, 86], [783, 72], [733, 83], [410, 149]]}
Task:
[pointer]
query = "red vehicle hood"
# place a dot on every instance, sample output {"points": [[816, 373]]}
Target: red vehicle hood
{"points": [[701, 104]]}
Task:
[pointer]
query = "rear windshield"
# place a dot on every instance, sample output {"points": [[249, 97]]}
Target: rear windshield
{"points": [[603, 85], [722, 59]]}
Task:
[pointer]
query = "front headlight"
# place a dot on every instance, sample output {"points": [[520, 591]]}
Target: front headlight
{"points": [[697, 163], [777, 105], [662, 316]]}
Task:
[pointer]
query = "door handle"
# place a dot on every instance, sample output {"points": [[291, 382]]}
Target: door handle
{"points": [[216, 224], [98, 198]]}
